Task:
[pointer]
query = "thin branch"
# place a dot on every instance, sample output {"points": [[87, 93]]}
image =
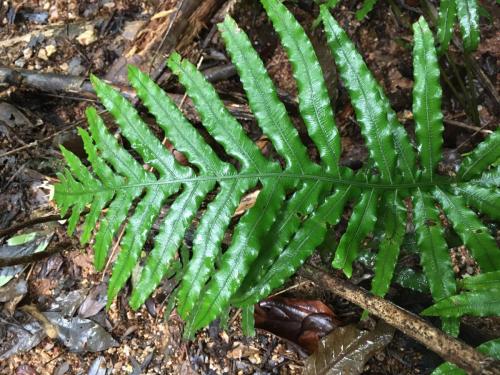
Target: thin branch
{"points": [[30, 222], [473, 128], [449, 348]]}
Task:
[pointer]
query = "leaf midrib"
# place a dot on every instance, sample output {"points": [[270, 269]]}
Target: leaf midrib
{"points": [[274, 175]]}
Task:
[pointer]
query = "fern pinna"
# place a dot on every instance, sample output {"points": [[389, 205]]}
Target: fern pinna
{"points": [[297, 199], [468, 19]]}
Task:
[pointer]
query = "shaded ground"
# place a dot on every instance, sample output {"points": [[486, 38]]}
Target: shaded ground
{"points": [[80, 37]]}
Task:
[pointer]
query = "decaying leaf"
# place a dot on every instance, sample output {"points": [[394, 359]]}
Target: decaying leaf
{"points": [[19, 334], [81, 335], [12, 290], [24, 244], [99, 367], [94, 302], [68, 304], [303, 322], [346, 350]]}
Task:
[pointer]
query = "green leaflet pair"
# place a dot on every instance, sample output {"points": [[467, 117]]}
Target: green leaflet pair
{"points": [[297, 201], [468, 19]]}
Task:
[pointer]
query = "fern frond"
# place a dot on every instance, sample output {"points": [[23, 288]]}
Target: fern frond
{"points": [[446, 22], [190, 142], [473, 234], [490, 348], [309, 236], [393, 219], [269, 111], [468, 17], [295, 204], [364, 93], [485, 281], [485, 200], [315, 108], [362, 222], [484, 155], [427, 98], [484, 303], [490, 178], [366, 8], [314, 102], [434, 256]]}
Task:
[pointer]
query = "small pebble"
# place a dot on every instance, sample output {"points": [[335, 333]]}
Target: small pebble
{"points": [[87, 37], [42, 54], [27, 53], [20, 62], [50, 49]]}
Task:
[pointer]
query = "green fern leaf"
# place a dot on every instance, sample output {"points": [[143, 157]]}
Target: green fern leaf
{"points": [[485, 281], [362, 222], [446, 21], [247, 321], [366, 8], [483, 303], [314, 102], [365, 96], [394, 219], [269, 111], [473, 234], [483, 156], [434, 250], [315, 108], [217, 119], [236, 261], [468, 17], [147, 210], [406, 162], [295, 204], [310, 235], [434, 256], [485, 200], [490, 348], [225, 129], [427, 98], [104, 173], [286, 225], [489, 178]]}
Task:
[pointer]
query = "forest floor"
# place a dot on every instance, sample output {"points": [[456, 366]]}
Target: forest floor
{"points": [[77, 38]]}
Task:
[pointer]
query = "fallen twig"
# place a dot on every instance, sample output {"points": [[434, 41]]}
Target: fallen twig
{"points": [[30, 222], [468, 127], [449, 348]]}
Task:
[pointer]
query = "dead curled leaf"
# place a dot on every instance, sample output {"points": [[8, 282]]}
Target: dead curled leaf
{"points": [[303, 322], [346, 350]]}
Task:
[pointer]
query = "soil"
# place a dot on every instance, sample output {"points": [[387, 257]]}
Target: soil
{"points": [[83, 37]]}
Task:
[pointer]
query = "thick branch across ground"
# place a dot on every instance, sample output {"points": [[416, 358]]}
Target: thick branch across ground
{"points": [[449, 348]]}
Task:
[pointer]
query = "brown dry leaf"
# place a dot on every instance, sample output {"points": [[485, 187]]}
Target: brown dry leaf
{"points": [[346, 350], [43, 287], [303, 322], [240, 351], [163, 13], [247, 202], [83, 261]]}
